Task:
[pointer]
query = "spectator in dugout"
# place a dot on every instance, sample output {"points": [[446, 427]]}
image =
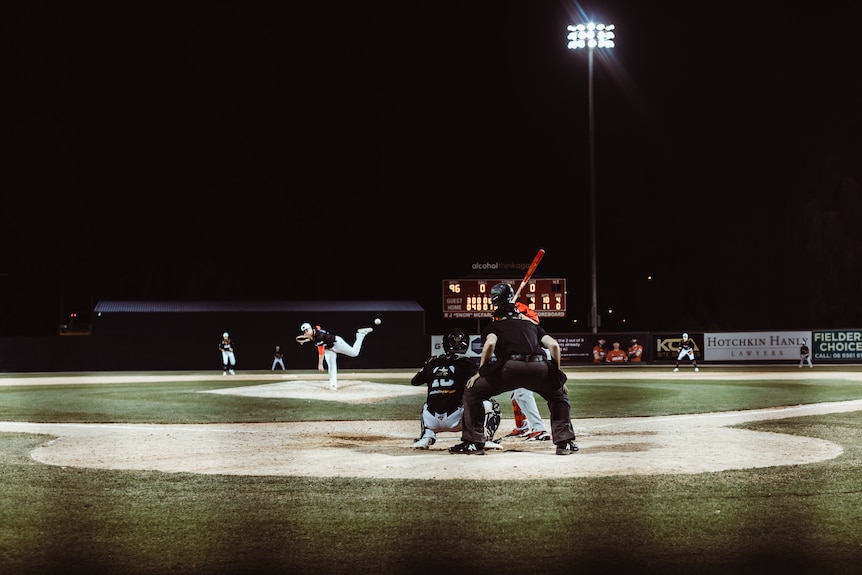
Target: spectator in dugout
{"points": [[600, 352], [635, 351], [616, 355]]}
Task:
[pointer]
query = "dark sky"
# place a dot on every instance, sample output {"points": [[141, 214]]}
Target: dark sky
{"points": [[369, 150]]}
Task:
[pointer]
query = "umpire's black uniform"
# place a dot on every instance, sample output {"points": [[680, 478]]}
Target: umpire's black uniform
{"points": [[521, 362]]}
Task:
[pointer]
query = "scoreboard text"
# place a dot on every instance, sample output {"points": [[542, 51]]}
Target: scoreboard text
{"points": [[471, 298]]}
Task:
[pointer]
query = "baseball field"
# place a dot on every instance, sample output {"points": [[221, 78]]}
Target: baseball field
{"points": [[732, 469]]}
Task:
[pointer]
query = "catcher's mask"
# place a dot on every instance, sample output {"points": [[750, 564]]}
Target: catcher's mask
{"points": [[456, 341]]}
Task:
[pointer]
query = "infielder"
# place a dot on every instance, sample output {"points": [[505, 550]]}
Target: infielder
{"points": [[329, 346], [446, 375], [277, 358], [228, 358], [686, 349]]}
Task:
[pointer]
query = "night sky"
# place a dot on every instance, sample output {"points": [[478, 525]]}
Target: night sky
{"points": [[369, 150]]}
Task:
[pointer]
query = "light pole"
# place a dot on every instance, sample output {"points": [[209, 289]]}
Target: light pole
{"points": [[590, 36]]}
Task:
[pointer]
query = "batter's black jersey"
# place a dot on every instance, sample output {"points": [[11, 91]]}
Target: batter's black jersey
{"points": [[226, 345], [446, 376], [324, 338]]}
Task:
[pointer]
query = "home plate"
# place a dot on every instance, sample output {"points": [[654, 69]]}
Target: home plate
{"points": [[349, 390]]}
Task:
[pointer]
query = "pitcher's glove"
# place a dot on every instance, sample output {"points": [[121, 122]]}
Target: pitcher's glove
{"points": [[301, 339]]}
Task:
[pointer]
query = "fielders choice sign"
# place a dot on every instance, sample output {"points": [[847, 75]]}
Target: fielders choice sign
{"points": [[837, 344]]}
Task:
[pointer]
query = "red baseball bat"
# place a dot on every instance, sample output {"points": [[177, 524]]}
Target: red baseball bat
{"points": [[530, 271]]}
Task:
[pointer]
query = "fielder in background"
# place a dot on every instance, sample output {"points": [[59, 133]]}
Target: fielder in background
{"points": [[635, 351], [686, 349], [519, 348], [277, 358], [329, 346], [805, 354], [228, 358], [616, 355], [446, 376]]}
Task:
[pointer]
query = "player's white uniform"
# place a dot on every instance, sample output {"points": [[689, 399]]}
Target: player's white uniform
{"points": [[277, 359], [527, 403], [686, 350], [805, 355], [434, 423], [330, 355], [685, 353], [228, 358], [330, 345]]}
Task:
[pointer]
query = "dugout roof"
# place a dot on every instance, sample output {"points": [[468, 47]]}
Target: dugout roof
{"points": [[112, 306]]}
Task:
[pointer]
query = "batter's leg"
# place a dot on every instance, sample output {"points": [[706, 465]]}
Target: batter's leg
{"points": [[527, 403]]}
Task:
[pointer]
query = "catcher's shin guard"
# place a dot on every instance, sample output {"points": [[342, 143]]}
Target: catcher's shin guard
{"points": [[421, 424], [492, 420]]}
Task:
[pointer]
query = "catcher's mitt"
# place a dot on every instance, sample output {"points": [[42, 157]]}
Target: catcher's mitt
{"points": [[302, 339]]}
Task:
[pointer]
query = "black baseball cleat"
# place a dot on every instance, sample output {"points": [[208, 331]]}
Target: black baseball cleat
{"points": [[566, 447], [468, 448]]}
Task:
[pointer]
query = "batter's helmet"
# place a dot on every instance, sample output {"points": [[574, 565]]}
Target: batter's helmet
{"points": [[502, 293]]}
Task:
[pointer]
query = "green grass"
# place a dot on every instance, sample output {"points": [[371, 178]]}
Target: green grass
{"points": [[179, 401], [790, 519]]}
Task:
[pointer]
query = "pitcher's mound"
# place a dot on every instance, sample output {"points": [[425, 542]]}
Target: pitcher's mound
{"points": [[349, 390]]}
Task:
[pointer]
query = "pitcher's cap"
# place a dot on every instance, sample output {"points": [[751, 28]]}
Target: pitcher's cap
{"points": [[305, 327], [225, 334]]}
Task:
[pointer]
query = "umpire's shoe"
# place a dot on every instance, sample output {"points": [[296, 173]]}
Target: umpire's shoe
{"points": [[468, 448], [566, 447]]}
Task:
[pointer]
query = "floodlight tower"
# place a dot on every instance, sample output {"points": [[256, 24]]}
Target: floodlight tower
{"points": [[590, 36]]}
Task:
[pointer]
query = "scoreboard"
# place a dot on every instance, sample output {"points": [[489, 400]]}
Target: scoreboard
{"points": [[471, 298]]}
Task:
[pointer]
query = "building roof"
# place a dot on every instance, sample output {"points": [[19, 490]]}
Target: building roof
{"points": [[113, 306]]}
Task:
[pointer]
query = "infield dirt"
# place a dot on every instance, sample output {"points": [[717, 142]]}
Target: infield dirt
{"points": [[618, 446]]}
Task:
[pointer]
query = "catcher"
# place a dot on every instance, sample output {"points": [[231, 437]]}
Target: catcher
{"points": [[446, 375]]}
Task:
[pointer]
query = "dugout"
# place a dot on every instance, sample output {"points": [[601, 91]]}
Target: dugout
{"points": [[184, 335]]}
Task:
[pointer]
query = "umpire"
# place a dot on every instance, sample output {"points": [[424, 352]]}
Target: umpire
{"points": [[517, 345]]}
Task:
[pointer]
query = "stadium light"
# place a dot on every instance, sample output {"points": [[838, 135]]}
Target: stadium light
{"points": [[590, 36]]}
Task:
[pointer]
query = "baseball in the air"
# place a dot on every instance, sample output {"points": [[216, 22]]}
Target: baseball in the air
{"points": [[377, 321]]}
